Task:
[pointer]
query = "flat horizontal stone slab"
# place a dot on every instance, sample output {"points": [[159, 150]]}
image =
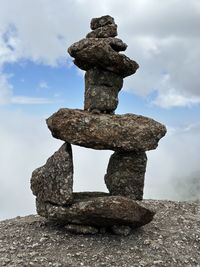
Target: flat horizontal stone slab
{"points": [[127, 132], [102, 53], [100, 211]]}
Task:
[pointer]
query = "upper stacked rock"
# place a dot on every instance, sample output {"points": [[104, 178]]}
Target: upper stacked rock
{"points": [[101, 22], [102, 53], [102, 27], [98, 54]]}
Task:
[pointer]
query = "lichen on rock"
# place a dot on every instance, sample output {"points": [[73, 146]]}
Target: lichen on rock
{"points": [[53, 182]]}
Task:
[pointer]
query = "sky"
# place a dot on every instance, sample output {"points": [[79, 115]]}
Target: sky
{"points": [[37, 77]]}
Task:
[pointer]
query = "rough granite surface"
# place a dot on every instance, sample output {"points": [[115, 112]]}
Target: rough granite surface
{"points": [[101, 22], [53, 182], [98, 211], [172, 239], [125, 174], [126, 132], [103, 32], [101, 90], [101, 77], [100, 52]]}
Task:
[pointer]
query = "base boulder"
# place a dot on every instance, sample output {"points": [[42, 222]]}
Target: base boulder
{"points": [[100, 211]]}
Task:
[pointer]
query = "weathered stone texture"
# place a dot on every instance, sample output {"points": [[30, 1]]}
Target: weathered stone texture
{"points": [[94, 52], [127, 132], [98, 212], [101, 90], [117, 44], [81, 229], [102, 77], [125, 174], [53, 182], [102, 98], [122, 230], [101, 21], [103, 32]]}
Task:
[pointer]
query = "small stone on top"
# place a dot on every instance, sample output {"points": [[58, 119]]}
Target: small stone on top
{"points": [[101, 21]]}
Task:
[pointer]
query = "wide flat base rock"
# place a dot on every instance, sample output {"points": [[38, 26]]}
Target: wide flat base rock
{"points": [[97, 210], [170, 240], [128, 132]]}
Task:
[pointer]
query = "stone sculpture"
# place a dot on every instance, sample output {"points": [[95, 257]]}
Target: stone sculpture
{"points": [[97, 127]]}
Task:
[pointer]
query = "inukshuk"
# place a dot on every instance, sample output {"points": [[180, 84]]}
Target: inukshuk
{"points": [[97, 127]]}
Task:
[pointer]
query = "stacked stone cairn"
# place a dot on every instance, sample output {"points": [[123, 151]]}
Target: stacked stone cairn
{"points": [[97, 127]]}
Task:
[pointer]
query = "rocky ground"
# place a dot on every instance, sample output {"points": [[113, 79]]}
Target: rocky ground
{"points": [[171, 239]]}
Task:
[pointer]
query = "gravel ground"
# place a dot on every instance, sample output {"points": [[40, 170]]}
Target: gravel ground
{"points": [[171, 239]]}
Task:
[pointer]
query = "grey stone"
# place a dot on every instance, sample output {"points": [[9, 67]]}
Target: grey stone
{"points": [[99, 52], [53, 182], [96, 76], [127, 132], [87, 195], [101, 90], [125, 174], [98, 211], [102, 98], [123, 230], [103, 32], [101, 21], [81, 229], [117, 44]]}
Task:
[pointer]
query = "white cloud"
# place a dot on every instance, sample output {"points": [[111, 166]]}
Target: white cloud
{"points": [[175, 57], [162, 36], [173, 99], [5, 90], [174, 166], [26, 145], [7, 96], [168, 96], [89, 169], [24, 100]]}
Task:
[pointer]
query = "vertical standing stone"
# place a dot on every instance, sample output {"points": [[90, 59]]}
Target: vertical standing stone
{"points": [[125, 174], [101, 90], [53, 182]]}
